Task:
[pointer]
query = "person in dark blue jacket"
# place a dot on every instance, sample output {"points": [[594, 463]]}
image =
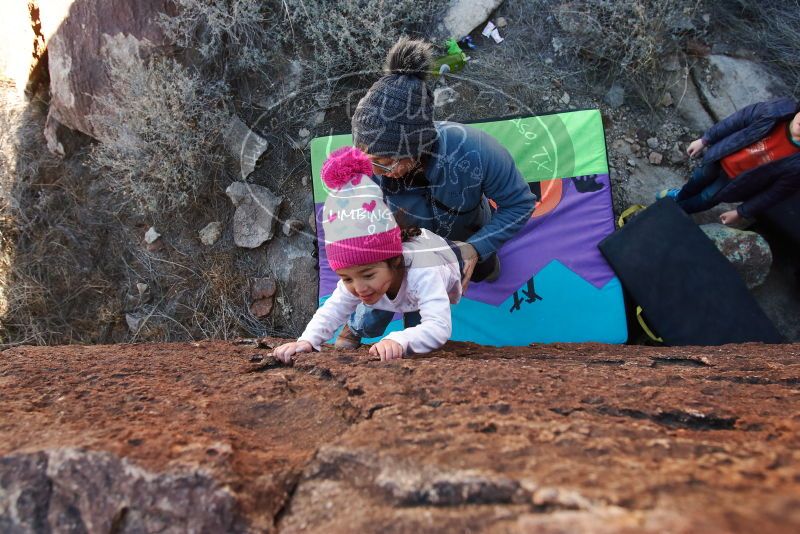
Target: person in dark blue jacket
{"points": [[752, 157], [435, 175]]}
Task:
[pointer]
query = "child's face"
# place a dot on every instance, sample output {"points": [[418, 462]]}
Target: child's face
{"points": [[794, 127], [368, 282]]}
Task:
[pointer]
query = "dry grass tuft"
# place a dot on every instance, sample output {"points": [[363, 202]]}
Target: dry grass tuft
{"points": [[627, 40], [161, 135], [353, 36], [771, 27]]}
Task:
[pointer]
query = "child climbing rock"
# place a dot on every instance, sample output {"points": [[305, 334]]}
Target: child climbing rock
{"points": [[379, 266], [753, 157]]}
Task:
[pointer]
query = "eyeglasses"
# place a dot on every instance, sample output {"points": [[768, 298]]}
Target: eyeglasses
{"points": [[385, 168]]}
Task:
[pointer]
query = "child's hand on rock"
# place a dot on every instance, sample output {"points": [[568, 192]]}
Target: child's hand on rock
{"points": [[730, 217], [695, 147], [387, 350], [285, 352]]}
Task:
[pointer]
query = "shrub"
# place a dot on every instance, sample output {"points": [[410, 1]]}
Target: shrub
{"points": [[227, 32], [161, 134], [769, 27], [627, 39], [57, 245], [353, 36]]}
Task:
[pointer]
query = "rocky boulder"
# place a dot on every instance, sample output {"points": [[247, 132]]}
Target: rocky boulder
{"points": [[683, 94], [219, 437], [730, 83], [463, 16], [256, 211], [82, 37], [747, 251]]}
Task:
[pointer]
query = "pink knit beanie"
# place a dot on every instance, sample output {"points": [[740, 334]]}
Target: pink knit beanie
{"points": [[358, 225]]}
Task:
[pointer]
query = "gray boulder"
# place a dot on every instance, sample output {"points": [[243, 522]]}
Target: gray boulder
{"points": [[747, 251], [76, 490], [256, 210], [644, 182], [733, 83], [244, 145], [463, 16], [686, 99], [615, 96]]}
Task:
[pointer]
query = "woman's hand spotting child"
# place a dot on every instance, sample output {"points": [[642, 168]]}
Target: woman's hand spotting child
{"points": [[285, 352], [470, 257], [387, 350]]}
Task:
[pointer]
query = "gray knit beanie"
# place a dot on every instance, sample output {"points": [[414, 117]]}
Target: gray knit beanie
{"points": [[395, 118]]}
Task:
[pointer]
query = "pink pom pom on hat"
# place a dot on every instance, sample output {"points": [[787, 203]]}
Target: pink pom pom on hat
{"points": [[344, 165], [358, 226]]}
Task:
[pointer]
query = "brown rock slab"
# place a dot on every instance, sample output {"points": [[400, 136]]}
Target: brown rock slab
{"points": [[217, 436], [262, 288], [262, 307], [82, 37]]}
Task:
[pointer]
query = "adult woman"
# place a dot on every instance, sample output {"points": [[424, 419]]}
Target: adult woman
{"points": [[435, 175]]}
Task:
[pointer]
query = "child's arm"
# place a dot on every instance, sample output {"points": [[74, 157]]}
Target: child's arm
{"points": [[330, 316], [434, 308]]}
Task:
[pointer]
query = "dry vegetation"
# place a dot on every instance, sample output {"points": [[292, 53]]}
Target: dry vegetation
{"points": [[769, 26], [231, 34], [628, 40], [353, 36], [58, 251], [161, 131]]}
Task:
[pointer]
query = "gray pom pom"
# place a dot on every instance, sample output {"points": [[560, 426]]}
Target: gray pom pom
{"points": [[409, 57]]}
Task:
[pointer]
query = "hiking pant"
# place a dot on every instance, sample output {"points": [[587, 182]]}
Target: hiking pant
{"points": [[700, 191], [369, 322]]}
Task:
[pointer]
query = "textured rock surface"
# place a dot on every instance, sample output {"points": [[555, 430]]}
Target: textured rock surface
{"points": [[645, 180], [463, 16], [553, 438], [734, 83], [210, 233], [256, 210], [82, 35], [245, 145], [688, 104], [747, 251]]}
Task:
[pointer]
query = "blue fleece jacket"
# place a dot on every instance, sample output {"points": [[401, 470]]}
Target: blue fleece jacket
{"points": [[760, 188], [467, 166]]}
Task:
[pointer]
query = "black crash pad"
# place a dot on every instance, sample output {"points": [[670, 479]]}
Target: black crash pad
{"points": [[690, 294]]}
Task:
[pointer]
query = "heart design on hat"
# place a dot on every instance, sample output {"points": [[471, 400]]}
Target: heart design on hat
{"points": [[364, 230]]}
